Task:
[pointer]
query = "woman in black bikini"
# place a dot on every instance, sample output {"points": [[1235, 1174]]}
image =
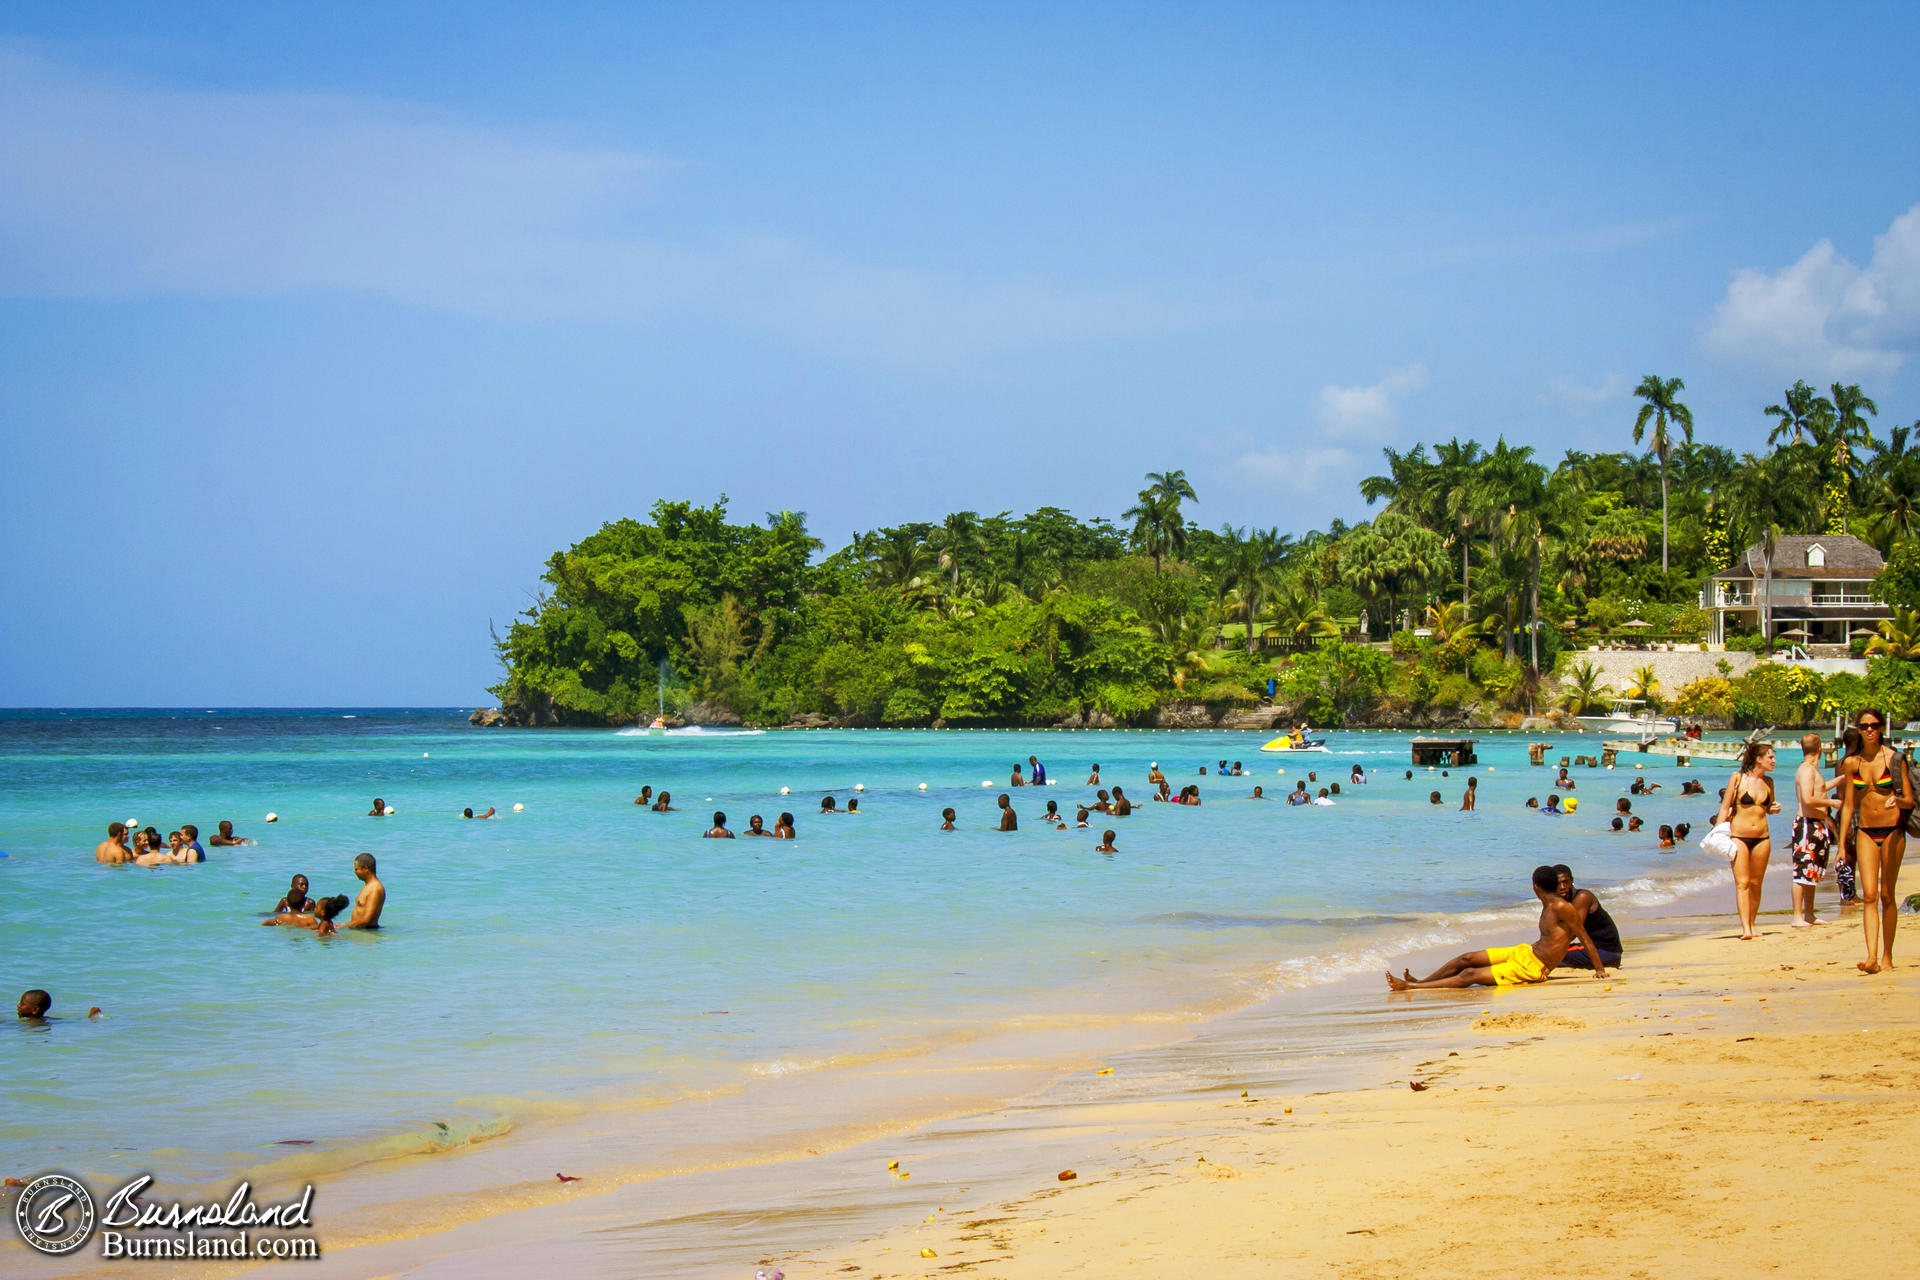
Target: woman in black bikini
{"points": [[1875, 786], [1746, 804]]}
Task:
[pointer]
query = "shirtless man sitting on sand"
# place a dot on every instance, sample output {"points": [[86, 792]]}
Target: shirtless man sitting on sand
{"points": [[1560, 924], [373, 895], [114, 849]]}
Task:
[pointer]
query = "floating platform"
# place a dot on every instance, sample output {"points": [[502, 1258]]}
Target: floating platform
{"points": [[1454, 753]]}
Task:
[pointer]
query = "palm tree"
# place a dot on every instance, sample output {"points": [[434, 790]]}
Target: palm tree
{"points": [[1644, 684], [1851, 408], [903, 561], [1899, 636], [1796, 414], [1892, 488], [1158, 525], [1662, 409], [1250, 565], [1410, 485], [960, 533], [1298, 617], [1582, 687], [1766, 496], [1449, 621], [1462, 496]]}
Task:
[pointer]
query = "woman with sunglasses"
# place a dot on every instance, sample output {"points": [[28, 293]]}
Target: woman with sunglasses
{"points": [[1745, 805], [1874, 786]]}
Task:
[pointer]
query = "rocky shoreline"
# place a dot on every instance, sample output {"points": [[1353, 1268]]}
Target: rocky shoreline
{"points": [[1179, 715]]}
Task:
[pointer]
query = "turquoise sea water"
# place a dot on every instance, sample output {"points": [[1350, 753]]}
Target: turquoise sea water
{"points": [[585, 950]]}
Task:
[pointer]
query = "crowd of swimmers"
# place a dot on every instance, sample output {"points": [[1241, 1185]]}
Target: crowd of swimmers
{"points": [[126, 845], [296, 908]]}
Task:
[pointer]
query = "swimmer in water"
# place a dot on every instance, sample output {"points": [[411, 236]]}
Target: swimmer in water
{"points": [[1258, 794], [783, 828], [1017, 780], [757, 827], [33, 1005], [826, 805], [664, 804], [1053, 812], [946, 819], [295, 899], [718, 831], [645, 796], [113, 850], [853, 806], [468, 813], [1008, 822], [320, 919], [373, 895], [379, 809], [1080, 819], [1093, 779], [1122, 807], [1106, 844], [225, 836]]}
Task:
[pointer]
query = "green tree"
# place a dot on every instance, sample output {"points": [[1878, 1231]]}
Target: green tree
{"points": [[1159, 527], [1661, 408]]}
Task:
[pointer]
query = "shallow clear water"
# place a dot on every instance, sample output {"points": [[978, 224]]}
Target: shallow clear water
{"points": [[586, 950]]}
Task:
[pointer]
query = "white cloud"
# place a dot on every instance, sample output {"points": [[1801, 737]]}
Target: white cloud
{"points": [[1342, 417], [1366, 411], [1297, 470], [117, 190], [1577, 401], [1823, 315]]}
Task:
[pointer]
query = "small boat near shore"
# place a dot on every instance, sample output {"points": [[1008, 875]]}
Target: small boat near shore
{"points": [[1631, 714]]}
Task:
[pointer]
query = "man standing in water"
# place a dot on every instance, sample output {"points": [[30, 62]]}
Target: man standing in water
{"points": [[1521, 965], [373, 895], [114, 848], [1036, 771], [1008, 822]]}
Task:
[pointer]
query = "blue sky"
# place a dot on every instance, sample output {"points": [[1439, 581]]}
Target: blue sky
{"points": [[321, 327]]}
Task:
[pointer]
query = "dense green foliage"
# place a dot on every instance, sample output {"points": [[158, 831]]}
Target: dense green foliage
{"points": [[1481, 567]]}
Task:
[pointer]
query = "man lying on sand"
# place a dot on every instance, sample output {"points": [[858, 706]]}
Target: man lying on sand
{"points": [[1560, 924]]}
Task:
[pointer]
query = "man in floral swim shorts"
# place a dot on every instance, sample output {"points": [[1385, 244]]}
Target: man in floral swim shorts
{"points": [[1812, 842]]}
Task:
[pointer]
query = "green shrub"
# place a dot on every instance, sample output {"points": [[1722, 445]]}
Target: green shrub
{"points": [[1774, 693], [1709, 696]]}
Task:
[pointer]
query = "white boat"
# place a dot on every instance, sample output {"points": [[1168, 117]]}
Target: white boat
{"points": [[1631, 715]]}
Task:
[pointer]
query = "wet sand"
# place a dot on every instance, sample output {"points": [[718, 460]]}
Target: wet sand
{"points": [[1712, 1108], [1718, 1108]]}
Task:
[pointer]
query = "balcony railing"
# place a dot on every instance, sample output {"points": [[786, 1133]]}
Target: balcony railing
{"points": [[1751, 599]]}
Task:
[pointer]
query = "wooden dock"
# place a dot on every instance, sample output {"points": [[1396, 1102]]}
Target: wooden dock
{"points": [[1787, 749]]}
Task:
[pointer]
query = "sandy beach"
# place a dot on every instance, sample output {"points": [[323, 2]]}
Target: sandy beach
{"points": [[1717, 1108]]}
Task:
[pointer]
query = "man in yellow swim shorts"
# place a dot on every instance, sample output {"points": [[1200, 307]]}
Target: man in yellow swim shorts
{"points": [[1528, 963]]}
